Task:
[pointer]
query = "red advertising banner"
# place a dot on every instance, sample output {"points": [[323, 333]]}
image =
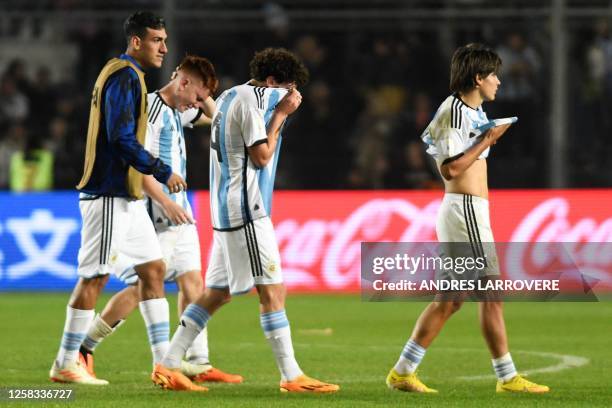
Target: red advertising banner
{"points": [[320, 232]]}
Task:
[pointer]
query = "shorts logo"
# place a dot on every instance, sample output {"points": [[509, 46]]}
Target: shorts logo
{"points": [[271, 268]]}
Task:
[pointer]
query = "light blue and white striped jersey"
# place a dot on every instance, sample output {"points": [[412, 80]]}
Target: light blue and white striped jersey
{"points": [[239, 191], [165, 139], [454, 129]]}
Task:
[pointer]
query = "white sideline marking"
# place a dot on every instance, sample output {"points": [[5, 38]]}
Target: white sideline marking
{"points": [[565, 361]]}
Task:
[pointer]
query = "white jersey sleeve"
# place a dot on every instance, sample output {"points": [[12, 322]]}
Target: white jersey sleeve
{"points": [[190, 116], [448, 142], [453, 129], [252, 124]]}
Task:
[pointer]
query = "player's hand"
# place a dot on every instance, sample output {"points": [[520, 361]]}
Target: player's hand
{"points": [[290, 102], [176, 184], [176, 213], [494, 134]]}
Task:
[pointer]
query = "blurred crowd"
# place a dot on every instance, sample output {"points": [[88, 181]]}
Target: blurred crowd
{"points": [[370, 97]]}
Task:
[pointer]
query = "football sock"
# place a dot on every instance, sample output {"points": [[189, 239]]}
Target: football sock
{"points": [[98, 330], [193, 321], [197, 353], [278, 333], [75, 328], [411, 357], [504, 367], [156, 315]]}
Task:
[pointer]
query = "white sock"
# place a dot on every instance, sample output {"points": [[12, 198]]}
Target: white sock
{"points": [[504, 367], [75, 328], [278, 333], [193, 321], [411, 357], [156, 315], [197, 353], [97, 332]]}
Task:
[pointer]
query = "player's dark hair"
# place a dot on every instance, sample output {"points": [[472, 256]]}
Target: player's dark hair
{"points": [[468, 62], [279, 63], [201, 67], [137, 24]]}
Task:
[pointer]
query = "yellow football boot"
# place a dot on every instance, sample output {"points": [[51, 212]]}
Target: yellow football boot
{"points": [[407, 382], [520, 384]]}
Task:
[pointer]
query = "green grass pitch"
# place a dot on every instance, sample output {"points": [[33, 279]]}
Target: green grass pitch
{"points": [[338, 339]]}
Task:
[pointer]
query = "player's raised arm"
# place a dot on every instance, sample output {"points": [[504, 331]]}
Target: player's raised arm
{"points": [[454, 166], [206, 111], [261, 153]]}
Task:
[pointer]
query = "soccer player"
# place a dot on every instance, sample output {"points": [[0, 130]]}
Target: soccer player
{"points": [[115, 220], [463, 216], [245, 145], [178, 104]]}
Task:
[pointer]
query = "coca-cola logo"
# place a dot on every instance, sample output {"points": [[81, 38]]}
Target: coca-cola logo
{"points": [[584, 246], [333, 246], [320, 247]]}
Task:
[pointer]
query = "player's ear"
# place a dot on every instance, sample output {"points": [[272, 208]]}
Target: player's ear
{"points": [[270, 81], [478, 80], [185, 81], [135, 42]]}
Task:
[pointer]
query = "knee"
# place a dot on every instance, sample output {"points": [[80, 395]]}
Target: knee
{"points": [[455, 306], [152, 271], [95, 284], [225, 299], [447, 309], [221, 297]]}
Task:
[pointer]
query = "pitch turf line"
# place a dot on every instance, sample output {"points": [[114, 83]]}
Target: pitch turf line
{"points": [[566, 361]]}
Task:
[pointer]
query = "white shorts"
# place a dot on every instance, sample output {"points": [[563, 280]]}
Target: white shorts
{"points": [[464, 230], [180, 246], [245, 257], [115, 227]]}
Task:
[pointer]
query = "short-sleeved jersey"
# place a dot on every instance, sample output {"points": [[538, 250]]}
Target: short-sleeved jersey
{"points": [[166, 140], [239, 191], [454, 129]]}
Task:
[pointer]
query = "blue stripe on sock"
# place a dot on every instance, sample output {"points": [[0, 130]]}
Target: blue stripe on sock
{"points": [[72, 341], [158, 332], [90, 343], [413, 352], [197, 314], [505, 368], [273, 320]]}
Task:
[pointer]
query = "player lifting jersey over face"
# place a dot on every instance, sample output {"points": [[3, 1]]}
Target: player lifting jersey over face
{"points": [[459, 138], [245, 143]]}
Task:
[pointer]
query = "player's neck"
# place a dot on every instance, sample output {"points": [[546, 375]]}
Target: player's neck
{"points": [[166, 94], [132, 53], [255, 82], [473, 99]]}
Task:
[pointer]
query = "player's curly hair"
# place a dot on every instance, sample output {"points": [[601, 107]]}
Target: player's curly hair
{"points": [[137, 23], [202, 68], [468, 62], [279, 63]]}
